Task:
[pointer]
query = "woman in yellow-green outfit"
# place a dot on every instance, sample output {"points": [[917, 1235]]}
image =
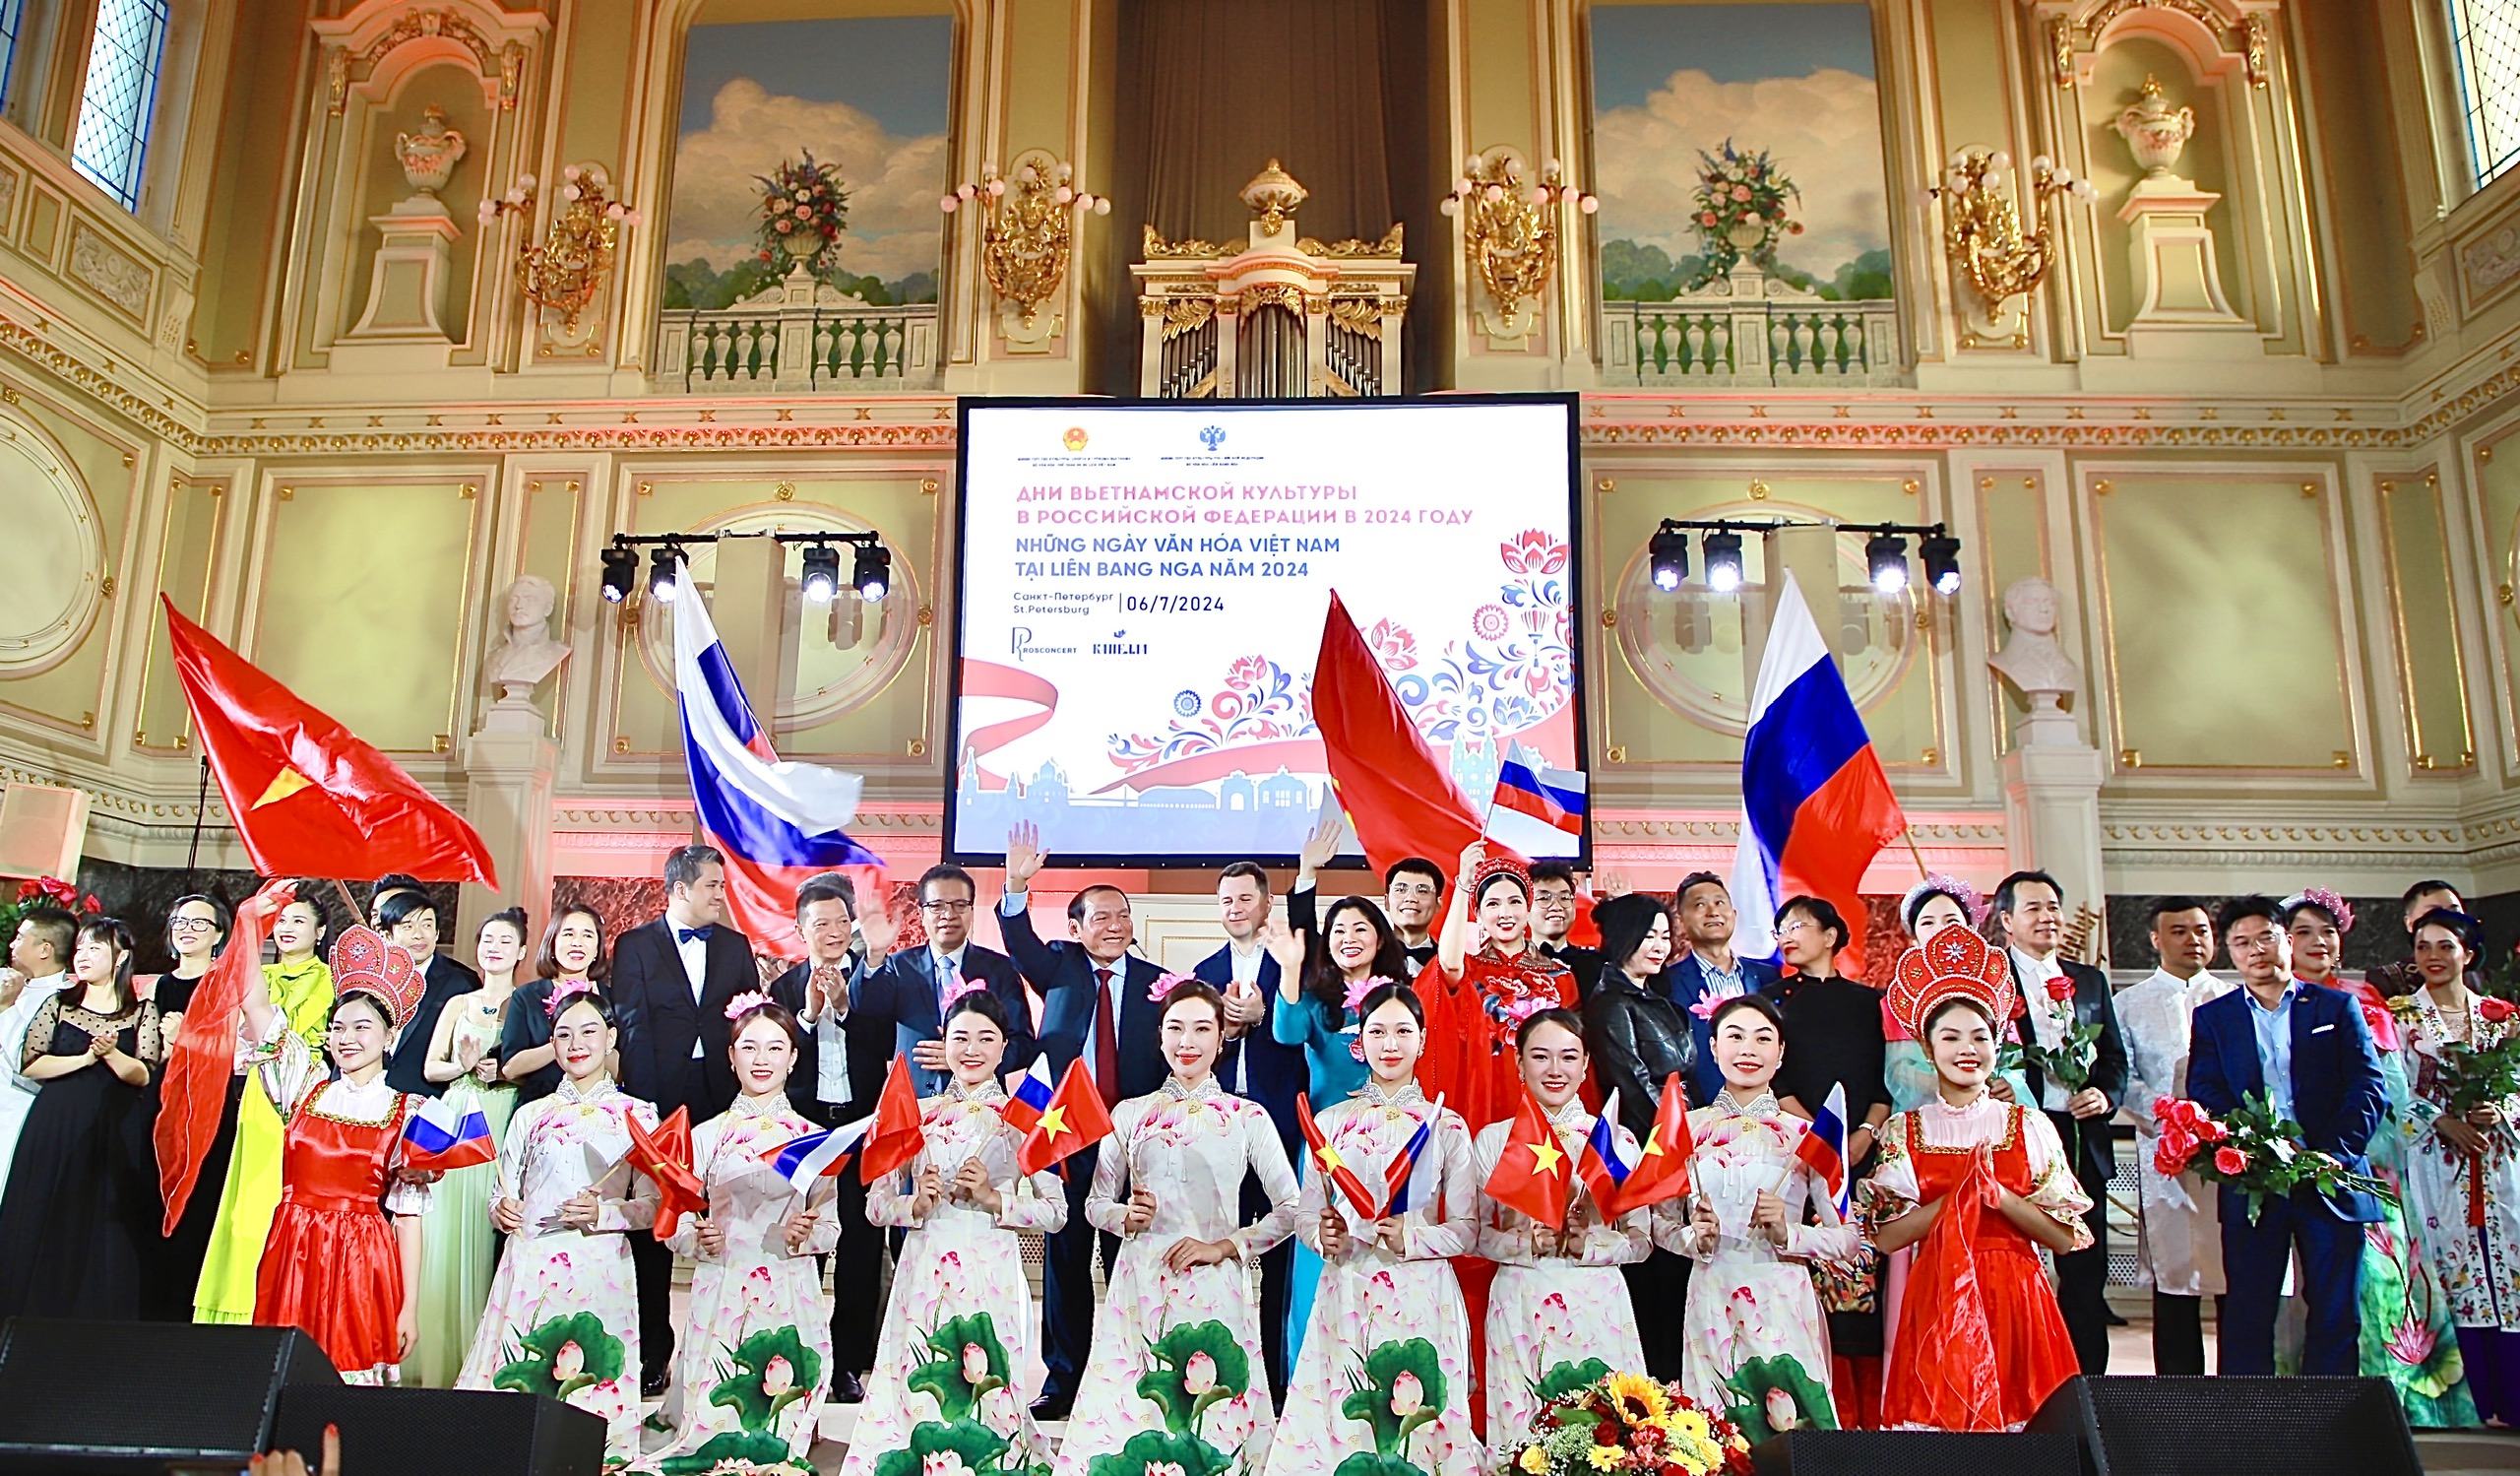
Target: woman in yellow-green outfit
{"points": [[302, 985]]}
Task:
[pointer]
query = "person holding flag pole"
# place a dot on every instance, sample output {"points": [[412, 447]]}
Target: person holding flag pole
{"points": [[754, 1354], [1182, 1287], [1763, 1206], [1387, 1315], [1558, 1298], [964, 1195]]}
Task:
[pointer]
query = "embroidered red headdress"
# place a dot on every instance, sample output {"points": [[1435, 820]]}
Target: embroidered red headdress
{"points": [[364, 963], [1499, 865], [1953, 963]]}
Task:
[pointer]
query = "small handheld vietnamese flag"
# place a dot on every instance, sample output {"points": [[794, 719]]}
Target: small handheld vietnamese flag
{"points": [[1031, 1097], [1603, 1166], [807, 1161], [1410, 1178], [664, 1156], [1824, 1146], [897, 1133], [1661, 1169], [1074, 1121], [1530, 1174], [1326, 1159], [441, 1134]]}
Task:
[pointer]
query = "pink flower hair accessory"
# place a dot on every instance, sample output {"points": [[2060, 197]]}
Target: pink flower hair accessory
{"points": [[562, 991], [964, 983], [2325, 901], [1164, 983], [1354, 1000], [746, 1002]]}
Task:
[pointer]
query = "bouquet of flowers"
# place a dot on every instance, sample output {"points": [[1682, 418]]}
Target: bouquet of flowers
{"points": [[44, 891], [2252, 1150], [1626, 1422], [804, 210], [1741, 207], [2471, 1074]]}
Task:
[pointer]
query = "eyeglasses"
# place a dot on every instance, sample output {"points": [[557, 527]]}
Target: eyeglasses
{"points": [[192, 924], [945, 907]]}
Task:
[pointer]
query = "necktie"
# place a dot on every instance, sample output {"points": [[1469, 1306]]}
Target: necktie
{"points": [[682, 936], [1106, 1045], [948, 979]]}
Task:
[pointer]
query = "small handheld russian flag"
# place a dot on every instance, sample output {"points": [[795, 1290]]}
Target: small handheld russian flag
{"points": [[804, 1161], [1553, 796], [440, 1135], [1604, 1168], [1031, 1098], [1409, 1176], [1824, 1146]]}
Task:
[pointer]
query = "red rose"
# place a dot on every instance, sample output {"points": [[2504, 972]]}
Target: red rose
{"points": [[2173, 1153], [2495, 1012], [2060, 989], [2229, 1160]]}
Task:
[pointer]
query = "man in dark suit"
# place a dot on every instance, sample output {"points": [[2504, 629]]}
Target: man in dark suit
{"points": [[1095, 1009], [671, 983], [2058, 996], [2305, 1052], [841, 1059], [406, 914], [898, 996], [1709, 974], [1553, 908], [1257, 1066]]}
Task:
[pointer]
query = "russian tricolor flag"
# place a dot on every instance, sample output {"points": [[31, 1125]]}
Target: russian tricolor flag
{"points": [[1526, 786], [1030, 1099], [1604, 1168], [1824, 1146], [440, 1135], [1409, 1179], [1817, 806], [768, 815], [803, 1161]]}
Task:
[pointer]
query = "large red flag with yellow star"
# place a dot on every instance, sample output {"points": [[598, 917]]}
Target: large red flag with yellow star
{"points": [[1074, 1121], [1532, 1174], [308, 797]]}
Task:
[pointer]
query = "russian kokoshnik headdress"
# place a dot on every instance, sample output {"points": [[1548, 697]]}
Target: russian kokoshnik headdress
{"points": [[365, 963], [1954, 963]]}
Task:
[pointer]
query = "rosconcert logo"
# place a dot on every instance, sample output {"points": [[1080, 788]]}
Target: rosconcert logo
{"points": [[1212, 437], [1075, 438]]}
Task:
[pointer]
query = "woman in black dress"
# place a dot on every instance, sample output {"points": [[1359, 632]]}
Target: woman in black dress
{"points": [[170, 1267], [71, 1217]]}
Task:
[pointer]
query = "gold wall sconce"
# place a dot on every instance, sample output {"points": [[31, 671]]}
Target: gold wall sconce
{"points": [[1982, 227], [1511, 230], [1027, 235], [564, 273]]}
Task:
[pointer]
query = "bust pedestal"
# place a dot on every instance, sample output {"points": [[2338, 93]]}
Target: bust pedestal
{"points": [[2052, 802], [407, 287], [509, 767]]}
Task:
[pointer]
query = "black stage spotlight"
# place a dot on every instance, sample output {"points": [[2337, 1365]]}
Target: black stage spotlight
{"points": [[1723, 560], [1669, 555], [620, 572], [661, 572], [873, 574], [1941, 553], [822, 573], [1885, 553]]}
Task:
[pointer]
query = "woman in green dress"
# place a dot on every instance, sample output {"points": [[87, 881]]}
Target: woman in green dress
{"points": [[302, 987], [457, 1247]]}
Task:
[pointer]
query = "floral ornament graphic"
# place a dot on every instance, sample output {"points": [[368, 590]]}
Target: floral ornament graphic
{"points": [[967, 1365], [1259, 702], [1392, 645], [735, 1451], [561, 1356], [1397, 1390], [804, 210], [1771, 1396], [765, 1374]]}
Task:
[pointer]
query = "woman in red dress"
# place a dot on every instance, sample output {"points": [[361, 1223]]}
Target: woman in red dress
{"points": [[1978, 1185], [334, 1264]]}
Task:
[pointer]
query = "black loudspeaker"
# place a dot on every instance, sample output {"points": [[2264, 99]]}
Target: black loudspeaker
{"points": [[1914, 1452], [144, 1397], [397, 1431], [2194, 1425]]}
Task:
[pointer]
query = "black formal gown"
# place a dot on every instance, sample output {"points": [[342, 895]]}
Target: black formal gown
{"points": [[171, 1264], [77, 1204]]}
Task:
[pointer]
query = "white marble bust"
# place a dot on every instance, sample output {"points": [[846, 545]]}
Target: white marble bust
{"points": [[2031, 658], [526, 653]]}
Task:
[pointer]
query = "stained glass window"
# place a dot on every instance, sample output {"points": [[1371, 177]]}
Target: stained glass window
{"points": [[121, 95], [2486, 38], [9, 14]]}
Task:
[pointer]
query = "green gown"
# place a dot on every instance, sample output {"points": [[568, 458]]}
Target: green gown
{"points": [[246, 1201], [456, 1240]]}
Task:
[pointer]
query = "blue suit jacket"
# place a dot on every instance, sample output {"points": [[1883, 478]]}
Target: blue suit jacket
{"points": [[1062, 974], [1275, 1072], [1684, 983], [2338, 1093], [901, 993]]}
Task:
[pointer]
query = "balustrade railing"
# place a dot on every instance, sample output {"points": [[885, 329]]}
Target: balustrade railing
{"points": [[1751, 329], [797, 335]]}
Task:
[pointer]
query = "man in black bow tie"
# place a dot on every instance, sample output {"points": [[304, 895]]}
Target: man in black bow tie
{"points": [[671, 983]]}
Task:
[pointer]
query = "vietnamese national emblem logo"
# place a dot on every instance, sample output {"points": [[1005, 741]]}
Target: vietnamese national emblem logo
{"points": [[1075, 438]]}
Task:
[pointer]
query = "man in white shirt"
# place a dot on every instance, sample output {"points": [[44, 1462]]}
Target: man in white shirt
{"points": [[1259, 1066], [2182, 1245], [38, 964]]}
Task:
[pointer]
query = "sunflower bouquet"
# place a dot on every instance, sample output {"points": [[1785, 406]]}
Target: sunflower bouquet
{"points": [[1627, 1422]]}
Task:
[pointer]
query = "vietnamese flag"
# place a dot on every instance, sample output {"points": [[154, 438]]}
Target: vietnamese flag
{"points": [[1532, 1174], [898, 1132], [1401, 799], [665, 1157], [1326, 1159], [1074, 1121], [308, 797], [193, 1092], [1661, 1169]]}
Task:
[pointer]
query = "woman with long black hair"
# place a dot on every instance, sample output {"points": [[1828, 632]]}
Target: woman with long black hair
{"points": [[171, 1264]]}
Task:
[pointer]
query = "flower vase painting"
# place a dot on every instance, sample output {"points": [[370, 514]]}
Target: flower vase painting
{"points": [[810, 152], [1740, 136]]}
